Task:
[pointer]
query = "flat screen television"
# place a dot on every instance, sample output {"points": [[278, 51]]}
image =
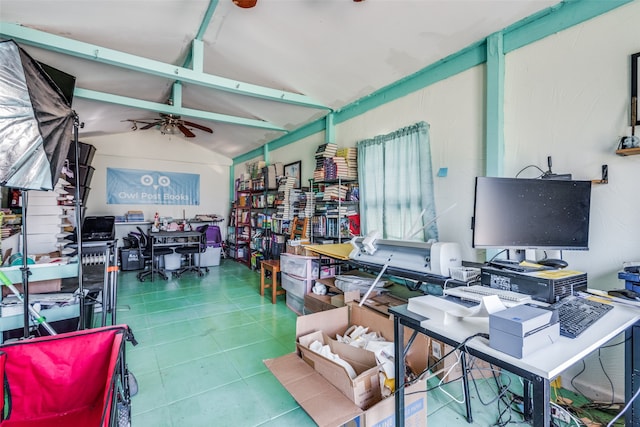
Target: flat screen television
{"points": [[512, 213]]}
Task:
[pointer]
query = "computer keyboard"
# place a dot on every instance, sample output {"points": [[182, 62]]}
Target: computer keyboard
{"points": [[476, 292], [577, 314]]}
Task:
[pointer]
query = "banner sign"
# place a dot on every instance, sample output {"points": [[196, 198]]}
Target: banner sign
{"points": [[141, 187]]}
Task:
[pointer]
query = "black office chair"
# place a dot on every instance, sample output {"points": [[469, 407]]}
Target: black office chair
{"points": [[190, 251], [146, 242]]}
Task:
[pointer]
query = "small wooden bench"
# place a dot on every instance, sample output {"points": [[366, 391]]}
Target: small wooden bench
{"points": [[273, 266]]}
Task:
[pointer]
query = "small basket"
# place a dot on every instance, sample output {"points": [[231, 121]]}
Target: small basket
{"points": [[464, 274]]}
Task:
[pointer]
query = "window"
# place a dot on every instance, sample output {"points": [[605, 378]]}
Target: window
{"points": [[396, 184]]}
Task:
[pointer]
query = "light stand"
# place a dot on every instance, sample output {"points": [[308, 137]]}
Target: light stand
{"points": [[78, 202]]}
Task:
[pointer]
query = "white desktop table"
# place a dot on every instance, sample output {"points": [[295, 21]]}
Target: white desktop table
{"points": [[539, 368]]}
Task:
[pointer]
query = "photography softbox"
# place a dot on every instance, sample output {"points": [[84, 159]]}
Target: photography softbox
{"points": [[36, 122]]}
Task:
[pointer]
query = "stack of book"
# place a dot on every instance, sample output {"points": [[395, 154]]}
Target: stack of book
{"points": [[323, 152], [284, 210], [335, 192], [350, 155]]}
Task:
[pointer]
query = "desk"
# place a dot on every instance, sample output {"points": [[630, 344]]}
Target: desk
{"points": [[172, 239], [537, 369]]}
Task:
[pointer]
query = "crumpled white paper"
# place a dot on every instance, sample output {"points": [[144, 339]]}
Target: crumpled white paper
{"points": [[325, 351]]}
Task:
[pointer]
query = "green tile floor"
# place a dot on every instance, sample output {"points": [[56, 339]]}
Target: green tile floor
{"points": [[202, 342]]}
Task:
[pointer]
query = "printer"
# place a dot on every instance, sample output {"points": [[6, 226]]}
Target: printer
{"points": [[406, 255], [521, 330]]}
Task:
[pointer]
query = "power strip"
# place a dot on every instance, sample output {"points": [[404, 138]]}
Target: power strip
{"points": [[561, 414]]}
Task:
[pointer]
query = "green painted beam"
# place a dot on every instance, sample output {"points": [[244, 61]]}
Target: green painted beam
{"points": [[206, 20], [176, 94], [300, 133], [197, 55], [526, 31], [442, 69], [232, 182], [173, 109], [330, 129], [555, 19], [149, 66], [494, 106], [453, 64], [265, 153]]}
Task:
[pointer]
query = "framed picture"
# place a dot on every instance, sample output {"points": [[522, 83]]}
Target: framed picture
{"points": [[635, 58], [293, 169]]}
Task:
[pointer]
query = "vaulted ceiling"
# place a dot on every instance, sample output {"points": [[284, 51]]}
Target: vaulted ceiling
{"points": [[250, 74]]}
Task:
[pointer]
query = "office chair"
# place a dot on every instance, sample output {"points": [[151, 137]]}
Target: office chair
{"points": [[146, 243], [190, 250]]}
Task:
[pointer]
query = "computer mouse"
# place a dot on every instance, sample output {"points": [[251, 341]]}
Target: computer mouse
{"points": [[624, 293], [553, 262]]}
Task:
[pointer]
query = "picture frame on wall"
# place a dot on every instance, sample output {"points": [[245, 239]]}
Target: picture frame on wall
{"points": [[635, 58], [293, 169]]}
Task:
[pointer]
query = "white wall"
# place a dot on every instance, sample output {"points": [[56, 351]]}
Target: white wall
{"points": [[150, 150], [566, 96]]}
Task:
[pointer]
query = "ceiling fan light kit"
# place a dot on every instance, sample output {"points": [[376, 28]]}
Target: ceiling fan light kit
{"points": [[169, 124]]}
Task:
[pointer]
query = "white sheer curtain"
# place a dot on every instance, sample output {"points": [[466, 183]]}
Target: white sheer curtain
{"points": [[396, 184]]}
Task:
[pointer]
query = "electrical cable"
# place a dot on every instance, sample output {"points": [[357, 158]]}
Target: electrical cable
{"points": [[422, 374], [576, 388], [494, 257], [613, 390], [542, 173], [624, 409]]}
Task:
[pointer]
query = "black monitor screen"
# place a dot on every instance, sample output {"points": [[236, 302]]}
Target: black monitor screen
{"points": [[512, 213]]}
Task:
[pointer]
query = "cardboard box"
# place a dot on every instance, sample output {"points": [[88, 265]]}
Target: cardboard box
{"points": [[38, 287], [450, 368], [319, 385], [314, 303], [334, 298], [296, 247], [364, 389]]}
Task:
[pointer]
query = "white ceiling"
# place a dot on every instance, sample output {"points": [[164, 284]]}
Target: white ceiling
{"points": [[332, 51]]}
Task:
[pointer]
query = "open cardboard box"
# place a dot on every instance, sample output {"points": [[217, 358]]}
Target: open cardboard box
{"points": [[364, 389], [319, 386]]}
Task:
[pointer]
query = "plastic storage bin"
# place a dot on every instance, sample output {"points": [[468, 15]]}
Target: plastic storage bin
{"points": [[172, 261], [295, 303], [131, 259], [295, 286], [209, 258], [303, 267]]}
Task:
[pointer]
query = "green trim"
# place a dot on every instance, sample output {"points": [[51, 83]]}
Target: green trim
{"points": [[125, 60], [526, 31], [555, 19], [494, 107], [330, 128], [443, 69], [232, 181], [173, 109]]}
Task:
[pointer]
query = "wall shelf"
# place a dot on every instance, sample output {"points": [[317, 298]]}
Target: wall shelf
{"points": [[627, 151]]}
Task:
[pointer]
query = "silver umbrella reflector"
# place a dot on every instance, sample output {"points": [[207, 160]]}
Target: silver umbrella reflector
{"points": [[36, 122]]}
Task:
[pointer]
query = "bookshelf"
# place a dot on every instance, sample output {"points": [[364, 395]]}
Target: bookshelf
{"points": [[339, 200], [336, 192], [240, 231]]}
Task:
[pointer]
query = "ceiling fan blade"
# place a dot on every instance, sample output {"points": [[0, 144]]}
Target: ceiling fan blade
{"points": [[197, 126], [187, 133], [149, 125]]}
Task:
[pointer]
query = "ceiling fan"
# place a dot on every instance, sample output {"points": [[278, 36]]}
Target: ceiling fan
{"points": [[169, 124]]}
